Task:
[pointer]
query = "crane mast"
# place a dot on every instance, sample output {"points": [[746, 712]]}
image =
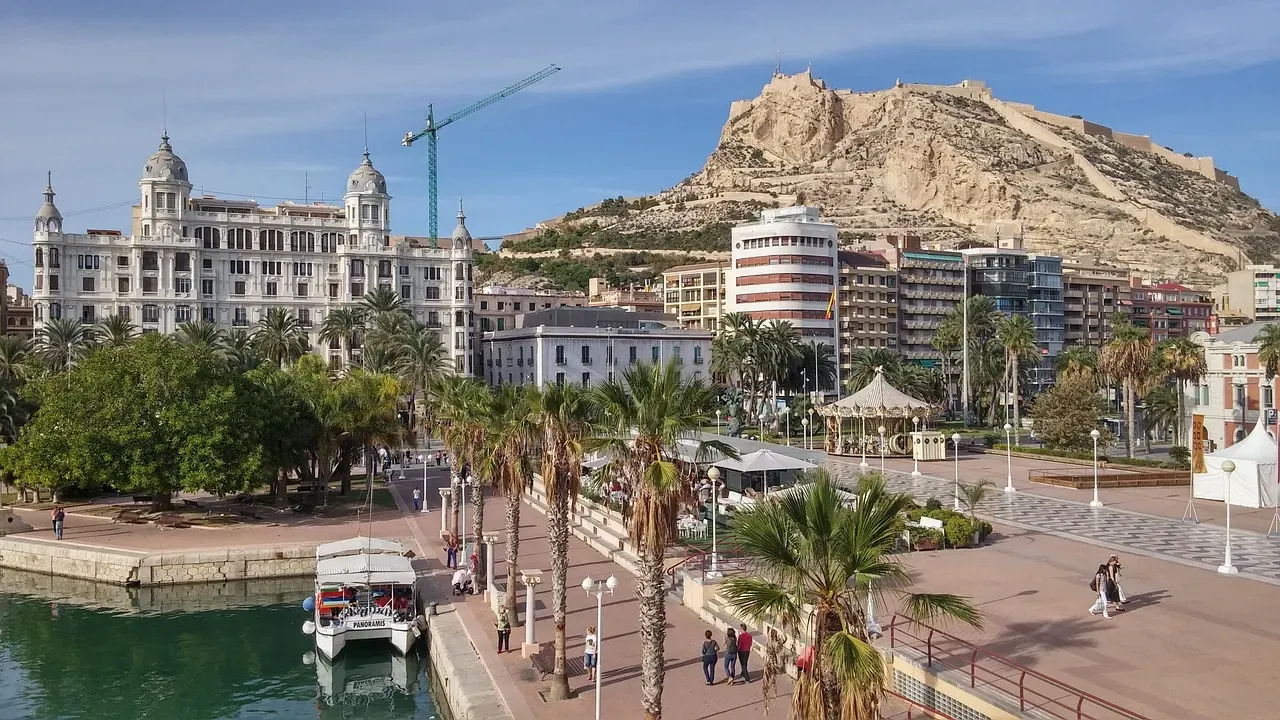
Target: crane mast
{"points": [[431, 131]]}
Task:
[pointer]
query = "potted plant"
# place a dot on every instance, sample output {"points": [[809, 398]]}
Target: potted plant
{"points": [[972, 495], [926, 539]]}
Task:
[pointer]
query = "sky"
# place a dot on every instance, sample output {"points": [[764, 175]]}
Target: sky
{"points": [[276, 100]]}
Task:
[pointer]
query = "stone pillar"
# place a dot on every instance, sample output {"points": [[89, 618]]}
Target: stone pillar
{"points": [[530, 578], [489, 540], [446, 510]]}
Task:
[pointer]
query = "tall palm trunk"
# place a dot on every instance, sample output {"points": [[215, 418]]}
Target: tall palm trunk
{"points": [[513, 550], [1128, 416], [477, 510], [559, 542], [455, 502], [653, 629]]}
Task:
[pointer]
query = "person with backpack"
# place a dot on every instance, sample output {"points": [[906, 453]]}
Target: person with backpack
{"points": [[1099, 585], [59, 518]]}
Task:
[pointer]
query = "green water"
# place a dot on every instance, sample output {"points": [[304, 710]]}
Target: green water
{"points": [[147, 656]]}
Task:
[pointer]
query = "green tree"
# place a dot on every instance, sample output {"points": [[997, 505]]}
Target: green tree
{"points": [[342, 325], [1268, 340], [63, 342], [1161, 410], [13, 357], [813, 560], [1184, 360], [422, 361], [381, 300], [279, 339], [199, 334], [1077, 360], [1127, 358], [240, 350], [116, 331], [1064, 414], [1017, 336]]}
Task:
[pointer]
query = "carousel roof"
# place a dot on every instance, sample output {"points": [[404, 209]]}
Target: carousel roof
{"points": [[878, 399]]}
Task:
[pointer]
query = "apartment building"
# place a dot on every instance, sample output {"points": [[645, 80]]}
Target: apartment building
{"points": [[1253, 293], [228, 261], [496, 307], [1170, 309], [930, 284], [1096, 296], [590, 345], [18, 318], [868, 304], [695, 294], [1234, 388], [784, 268], [639, 299]]}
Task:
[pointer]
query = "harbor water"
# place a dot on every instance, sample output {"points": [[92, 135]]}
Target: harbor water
{"points": [[75, 650]]}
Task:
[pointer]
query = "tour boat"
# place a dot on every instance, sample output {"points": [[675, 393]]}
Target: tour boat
{"points": [[357, 679], [365, 590]]}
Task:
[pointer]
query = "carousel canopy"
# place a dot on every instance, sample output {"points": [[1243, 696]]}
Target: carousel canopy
{"points": [[878, 399]]}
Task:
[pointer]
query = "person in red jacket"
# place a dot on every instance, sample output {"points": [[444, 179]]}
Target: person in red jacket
{"points": [[744, 652]]}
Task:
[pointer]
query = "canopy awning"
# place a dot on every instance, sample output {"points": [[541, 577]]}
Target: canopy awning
{"points": [[1257, 447], [763, 460], [358, 545], [878, 399], [366, 570]]}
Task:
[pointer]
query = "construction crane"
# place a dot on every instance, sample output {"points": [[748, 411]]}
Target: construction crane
{"points": [[430, 131]]}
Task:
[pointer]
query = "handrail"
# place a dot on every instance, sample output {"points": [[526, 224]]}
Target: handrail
{"points": [[1028, 698], [914, 709]]}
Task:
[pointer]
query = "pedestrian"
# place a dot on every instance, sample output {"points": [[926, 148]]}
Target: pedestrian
{"points": [[589, 652], [1113, 574], [451, 552], [59, 517], [744, 652], [504, 630], [437, 458], [710, 653], [730, 656], [417, 499], [1099, 586]]}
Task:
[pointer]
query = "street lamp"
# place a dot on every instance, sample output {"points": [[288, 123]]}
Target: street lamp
{"points": [[599, 588], [1095, 435], [1226, 568], [761, 417], [719, 412], [862, 440], [788, 420], [804, 423], [1008, 457], [463, 482], [423, 459], [881, 449], [955, 440], [713, 475], [915, 454]]}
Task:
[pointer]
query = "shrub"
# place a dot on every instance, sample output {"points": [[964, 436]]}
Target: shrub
{"points": [[959, 531], [1065, 414], [933, 503], [984, 529], [1181, 456], [990, 439]]}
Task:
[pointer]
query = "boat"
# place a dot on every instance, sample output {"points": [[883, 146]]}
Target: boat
{"points": [[360, 678], [365, 590]]}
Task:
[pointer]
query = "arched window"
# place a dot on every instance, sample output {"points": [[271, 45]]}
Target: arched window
{"points": [[55, 225], [55, 311], [210, 237], [239, 239], [53, 258], [302, 242], [39, 257], [329, 242], [458, 272], [271, 240], [39, 224]]}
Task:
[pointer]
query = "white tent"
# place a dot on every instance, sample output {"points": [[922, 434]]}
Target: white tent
{"points": [[762, 460], [1253, 483]]}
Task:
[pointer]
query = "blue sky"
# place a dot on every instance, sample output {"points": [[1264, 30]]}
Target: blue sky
{"points": [[264, 99]]}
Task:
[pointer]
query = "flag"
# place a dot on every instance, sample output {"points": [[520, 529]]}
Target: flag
{"points": [[831, 304]]}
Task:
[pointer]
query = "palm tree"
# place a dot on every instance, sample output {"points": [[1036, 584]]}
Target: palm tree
{"points": [[341, 325], [279, 339], [800, 376], [1162, 408], [1077, 360], [238, 347], [422, 360], [1017, 336], [379, 359], [199, 333], [371, 417], [465, 407], [1185, 361], [648, 413], [946, 341], [566, 416], [63, 343], [1268, 340], [1127, 358], [381, 300], [863, 364], [813, 561], [13, 356], [116, 330]]}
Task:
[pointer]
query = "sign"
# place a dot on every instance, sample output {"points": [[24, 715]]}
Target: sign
{"points": [[1271, 416], [928, 522], [1201, 437], [365, 623]]}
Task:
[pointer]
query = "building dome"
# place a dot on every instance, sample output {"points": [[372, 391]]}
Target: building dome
{"points": [[48, 217], [164, 164], [366, 178], [461, 236]]}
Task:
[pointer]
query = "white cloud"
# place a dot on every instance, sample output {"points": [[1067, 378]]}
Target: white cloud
{"points": [[86, 98]]}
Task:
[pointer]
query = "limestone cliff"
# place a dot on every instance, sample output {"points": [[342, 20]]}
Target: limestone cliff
{"points": [[953, 163]]}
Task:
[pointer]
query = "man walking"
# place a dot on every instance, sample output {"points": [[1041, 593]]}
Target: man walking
{"points": [[59, 517], [417, 499], [744, 652]]}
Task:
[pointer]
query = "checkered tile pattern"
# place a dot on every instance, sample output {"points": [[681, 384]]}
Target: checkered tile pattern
{"points": [[1257, 556]]}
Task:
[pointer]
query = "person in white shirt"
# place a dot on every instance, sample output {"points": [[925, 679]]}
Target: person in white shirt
{"points": [[461, 581], [589, 653]]}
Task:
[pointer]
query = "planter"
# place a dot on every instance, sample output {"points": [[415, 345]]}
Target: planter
{"points": [[926, 545]]}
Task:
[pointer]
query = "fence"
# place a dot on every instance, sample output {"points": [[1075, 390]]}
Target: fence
{"points": [[1083, 479], [1031, 690]]}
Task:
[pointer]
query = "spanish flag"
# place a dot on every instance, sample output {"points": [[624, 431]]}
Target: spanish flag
{"points": [[831, 304]]}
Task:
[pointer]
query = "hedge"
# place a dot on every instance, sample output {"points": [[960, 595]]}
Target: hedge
{"points": [[1069, 455]]}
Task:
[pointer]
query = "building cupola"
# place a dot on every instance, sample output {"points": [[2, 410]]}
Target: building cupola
{"points": [[48, 218], [366, 179], [164, 164], [461, 236]]}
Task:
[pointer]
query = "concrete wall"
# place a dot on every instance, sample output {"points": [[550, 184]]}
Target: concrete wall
{"points": [[462, 682], [160, 598], [124, 567]]}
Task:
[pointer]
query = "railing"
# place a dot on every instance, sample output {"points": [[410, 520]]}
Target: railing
{"points": [[912, 711], [997, 674]]}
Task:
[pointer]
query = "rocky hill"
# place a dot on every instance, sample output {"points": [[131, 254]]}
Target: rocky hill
{"points": [[949, 163]]}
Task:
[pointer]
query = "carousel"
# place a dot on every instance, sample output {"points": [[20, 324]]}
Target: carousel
{"points": [[879, 420]]}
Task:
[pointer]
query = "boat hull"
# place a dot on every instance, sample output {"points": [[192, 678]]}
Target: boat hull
{"points": [[330, 641]]}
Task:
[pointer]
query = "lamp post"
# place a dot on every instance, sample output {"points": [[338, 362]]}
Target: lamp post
{"points": [[955, 441], [1226, 568], [422, 459], [915, 454], [1095, 502], [863, 442], [719, 412], [599, 588], [788, 421], [713, 477], [1008, 457], [804, 423], [761, 417], [881, 449], [463, 482]]}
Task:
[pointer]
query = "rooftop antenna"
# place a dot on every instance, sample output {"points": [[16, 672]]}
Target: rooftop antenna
{"points": [[164, 112], [306, 188], [366, 131]]}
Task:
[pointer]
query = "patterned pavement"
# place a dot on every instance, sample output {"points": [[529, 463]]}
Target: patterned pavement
{"points": [[1257, 556]]}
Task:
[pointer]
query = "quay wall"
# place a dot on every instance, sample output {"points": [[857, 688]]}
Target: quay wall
{"points": [[462, 681], [133, 568]]}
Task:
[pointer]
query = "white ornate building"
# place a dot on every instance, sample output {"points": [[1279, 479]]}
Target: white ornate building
{"points": [[230, 261]]}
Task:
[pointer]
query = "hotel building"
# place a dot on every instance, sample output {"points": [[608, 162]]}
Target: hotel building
{"points": [[695, 294], [785, 268]]}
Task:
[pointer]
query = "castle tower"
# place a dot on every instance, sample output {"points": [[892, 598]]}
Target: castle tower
{"points": [[47, 249], [463, 322], [368, 205], [165, 190]]}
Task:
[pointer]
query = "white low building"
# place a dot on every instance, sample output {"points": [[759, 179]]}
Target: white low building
{"points": [[590, 346], [229, 261]]}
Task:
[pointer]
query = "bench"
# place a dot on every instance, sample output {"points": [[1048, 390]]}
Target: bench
{"points": [[169, 520], [249, 514], [128, 516], [545, 662], [191, 503], [973, 445], [142, 498]]}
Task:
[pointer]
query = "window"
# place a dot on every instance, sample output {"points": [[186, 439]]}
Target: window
{"points": [[271, 240], [123, 311], [586, 379], [122, 285], [239, 267], [560, 379], [150, 285], [237, 287], [271, 267], [208, 237], [240, 317], [181, 261], [39, 257], [150, 260], [502, 323], [586, 354], [657, 354], [302, 290], [150, 313], [329, 242], [432, 273], [458, 293], [304, 317], [273, 288], [333, 290], [357, 268], [206, 314], [384, 268], [357, 291], [206, 288], [433, 319], [302, 242], [517, 307], [559, 354], [86, 315], [181, 313], [303, 269], [697, 354], [53, 263], [206, 263], [87, 284], [406, 291], [631, 355], [433, 293], [239, 239], [53, 283], [404, 271], [55, 310], [370, 212]]}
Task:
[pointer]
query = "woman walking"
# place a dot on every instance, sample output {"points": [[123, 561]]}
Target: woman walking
{"points": [[731, 656], [1113, 574], [710, 653], [1101, 583], [589, 653]]}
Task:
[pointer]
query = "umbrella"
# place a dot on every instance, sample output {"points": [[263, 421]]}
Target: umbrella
{"points": [[762, 460]]}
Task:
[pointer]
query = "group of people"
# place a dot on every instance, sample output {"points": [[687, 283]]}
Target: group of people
{"points": [[462, 583], [737, 652], [1106, 583]]}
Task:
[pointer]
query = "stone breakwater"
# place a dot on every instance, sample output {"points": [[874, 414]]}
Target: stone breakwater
{"points": [[145, 569]]}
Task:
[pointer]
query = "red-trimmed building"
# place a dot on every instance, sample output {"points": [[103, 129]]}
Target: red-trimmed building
{"points": [[1170, 309]]}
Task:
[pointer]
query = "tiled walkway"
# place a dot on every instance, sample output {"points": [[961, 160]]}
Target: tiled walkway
{"points": [[1257, 556]]}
